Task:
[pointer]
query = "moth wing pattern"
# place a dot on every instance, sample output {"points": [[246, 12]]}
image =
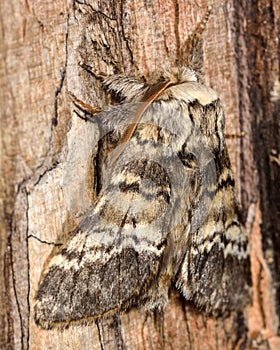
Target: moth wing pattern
{"points": [[215, 272], [165, 213], [90, 278], [109, 262], [101, 268]]}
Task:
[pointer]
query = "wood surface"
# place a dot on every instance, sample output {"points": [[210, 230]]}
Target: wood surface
{"points": [[46, 172]]}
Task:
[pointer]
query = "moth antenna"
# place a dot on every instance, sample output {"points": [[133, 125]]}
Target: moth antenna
{"points": [[202, 24], [192, 50]]}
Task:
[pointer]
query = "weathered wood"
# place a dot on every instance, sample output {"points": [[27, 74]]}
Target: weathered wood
{"points": [[46, 151]]}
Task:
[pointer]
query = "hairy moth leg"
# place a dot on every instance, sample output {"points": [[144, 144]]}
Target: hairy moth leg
{"points": [[83, 105]]}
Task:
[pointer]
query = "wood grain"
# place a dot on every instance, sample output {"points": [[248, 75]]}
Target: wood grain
{"points": [[44, 193]]}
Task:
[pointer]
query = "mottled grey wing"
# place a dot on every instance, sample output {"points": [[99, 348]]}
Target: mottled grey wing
{"points": [[215, 273], [113, 256]]}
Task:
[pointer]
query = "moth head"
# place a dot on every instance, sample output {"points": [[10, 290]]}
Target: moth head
{"points": [[179, 75]]}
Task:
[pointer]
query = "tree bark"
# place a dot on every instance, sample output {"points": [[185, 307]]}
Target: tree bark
{"points": [[48, 49]]}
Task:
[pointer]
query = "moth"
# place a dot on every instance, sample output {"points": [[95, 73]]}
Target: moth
{"points": [[166, 213]]}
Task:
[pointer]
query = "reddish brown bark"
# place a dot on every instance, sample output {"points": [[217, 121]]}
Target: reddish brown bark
{"points": [[41, 47]]}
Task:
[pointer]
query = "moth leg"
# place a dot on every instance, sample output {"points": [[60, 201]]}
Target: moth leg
{"points": [[84, 106]]}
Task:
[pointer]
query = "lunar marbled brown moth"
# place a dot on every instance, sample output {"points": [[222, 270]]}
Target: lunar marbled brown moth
{"points": [[166, 213]]}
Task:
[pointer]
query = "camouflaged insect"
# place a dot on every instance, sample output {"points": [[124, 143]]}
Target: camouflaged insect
{"points": [[166, 212]]}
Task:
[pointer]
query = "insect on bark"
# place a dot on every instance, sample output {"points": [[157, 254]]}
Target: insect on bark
{"points": [[166, 213]]}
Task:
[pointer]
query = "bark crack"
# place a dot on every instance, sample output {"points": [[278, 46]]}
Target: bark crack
{"points": [[44, 241], [126, 41], [99, 334], [48, 164], [63, 75], [110, 333], [16, 296], [259, 294], [28, 266], [185, 313], [94, 10], [20, 190]]}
